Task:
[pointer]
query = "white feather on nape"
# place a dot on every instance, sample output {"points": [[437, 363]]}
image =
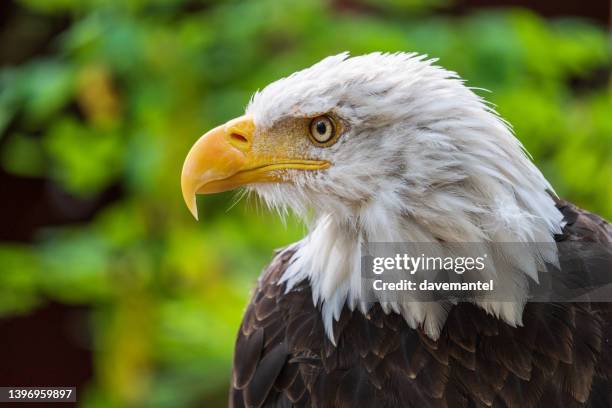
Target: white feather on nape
{"points": [[423, 159]]}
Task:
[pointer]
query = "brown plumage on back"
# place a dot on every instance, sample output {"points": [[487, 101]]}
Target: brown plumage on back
{"points": [[561, 357]]}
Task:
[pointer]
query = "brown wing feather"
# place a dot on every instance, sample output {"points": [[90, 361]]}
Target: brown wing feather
{"points": [[562, 356]]}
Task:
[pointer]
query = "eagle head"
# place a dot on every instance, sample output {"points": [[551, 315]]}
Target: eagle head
{"points": [[381, 148]]}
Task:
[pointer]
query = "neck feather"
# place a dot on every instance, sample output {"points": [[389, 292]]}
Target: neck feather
{"points": [[329, 257]]}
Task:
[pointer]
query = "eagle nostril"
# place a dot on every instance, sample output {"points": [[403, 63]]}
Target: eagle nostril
{"points": [[239, 141], [239, 138]]}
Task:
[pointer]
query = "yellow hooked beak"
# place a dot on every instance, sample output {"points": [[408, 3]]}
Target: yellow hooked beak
{"points": [[224, 159]]}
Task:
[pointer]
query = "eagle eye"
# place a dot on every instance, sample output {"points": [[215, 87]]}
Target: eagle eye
{"points": [[322, 131]]}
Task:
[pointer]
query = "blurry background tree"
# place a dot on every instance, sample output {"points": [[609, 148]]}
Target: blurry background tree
{"points": [[99, 103]]}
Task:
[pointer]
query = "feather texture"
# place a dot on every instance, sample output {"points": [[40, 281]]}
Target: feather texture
{"points": [[420, 158], [560, 357]]}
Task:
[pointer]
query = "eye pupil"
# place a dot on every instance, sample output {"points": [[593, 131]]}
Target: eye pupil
{"points": [[322, 131], [321, 127]]}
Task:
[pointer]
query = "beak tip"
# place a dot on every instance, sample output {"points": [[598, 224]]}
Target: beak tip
{"points": [[193, 207], [188, 190], [189, 197]]}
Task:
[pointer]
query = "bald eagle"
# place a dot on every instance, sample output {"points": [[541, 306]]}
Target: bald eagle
{"points": [[393, 148]]}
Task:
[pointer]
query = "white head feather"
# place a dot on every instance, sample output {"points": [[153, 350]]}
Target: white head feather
{"points": [[422, 159]]}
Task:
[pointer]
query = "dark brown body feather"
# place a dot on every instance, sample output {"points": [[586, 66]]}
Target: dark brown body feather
{"points": [[561, 357]]}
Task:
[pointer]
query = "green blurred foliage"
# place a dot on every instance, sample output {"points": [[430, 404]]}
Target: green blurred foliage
{"points": [[149, 76]]}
